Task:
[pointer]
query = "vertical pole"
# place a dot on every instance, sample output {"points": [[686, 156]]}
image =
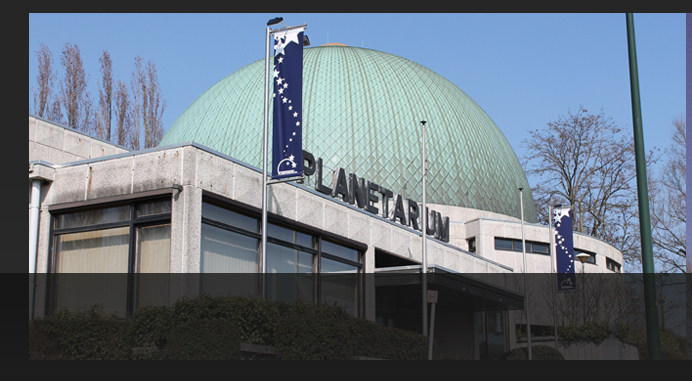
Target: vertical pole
{"points": [[263, 258], [432, 331], [553, 269], [34, 209], [526, 282], [424, 229], [653, 338]]}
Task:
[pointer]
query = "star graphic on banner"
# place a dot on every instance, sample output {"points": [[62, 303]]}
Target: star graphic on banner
{"points": [[295, 114], [290, 108], [279, 80], [276, 73], [285, 39], [280, 59], [297, 124]]}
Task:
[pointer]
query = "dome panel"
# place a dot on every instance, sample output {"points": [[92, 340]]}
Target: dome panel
{"points": [[362, 111]]}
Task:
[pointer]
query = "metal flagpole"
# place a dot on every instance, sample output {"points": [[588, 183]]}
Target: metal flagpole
{"points": [[653, 338], [424, 229], [263, 258], [526, 282], [553, 267]]}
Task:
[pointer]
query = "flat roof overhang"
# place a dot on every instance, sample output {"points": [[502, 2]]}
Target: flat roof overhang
{"points": [[402, 286]]}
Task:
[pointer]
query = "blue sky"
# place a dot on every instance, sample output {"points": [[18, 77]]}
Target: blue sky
{"points": [[524, 70]]}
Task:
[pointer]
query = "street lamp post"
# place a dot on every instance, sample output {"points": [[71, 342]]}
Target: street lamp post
{"points": [[582, 257]]}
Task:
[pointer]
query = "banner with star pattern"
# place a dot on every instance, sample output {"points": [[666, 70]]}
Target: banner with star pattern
{"points": [[287, 152], [564, 248]]}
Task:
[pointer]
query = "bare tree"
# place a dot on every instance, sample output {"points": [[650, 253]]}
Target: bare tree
{"points": [[154, 107], [73, 85], [123, 120], [55, 112], [105, 96], [45, 80], [587, 161], [137, 83], [668, 195]]}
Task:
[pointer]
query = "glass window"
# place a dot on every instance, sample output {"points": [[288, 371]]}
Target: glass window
{"points": [[304, 240], [98, 251], [92, 217], [340, 285], [503, 244], [541, 248], [97, 244], [230, 217], [340, 251], [153, 207], [224, 251], [281, 233], [154, 248]]}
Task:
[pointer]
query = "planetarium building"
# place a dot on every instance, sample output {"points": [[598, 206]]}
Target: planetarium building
{"points": [[193, 204]]}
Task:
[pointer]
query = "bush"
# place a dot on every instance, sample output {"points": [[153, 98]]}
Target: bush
{"points": [[150, 327], [256, 319], [204, 340], [88, 335], [538, 352], [592, 332], [319, 334], [192, 328], [377, 341]]}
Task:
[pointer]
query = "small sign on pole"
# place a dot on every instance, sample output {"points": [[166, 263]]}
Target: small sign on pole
{"points": [[432, 296]]}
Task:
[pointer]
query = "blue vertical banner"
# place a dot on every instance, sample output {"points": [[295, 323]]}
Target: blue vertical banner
{"points": [[287, 152], [564, 249]]}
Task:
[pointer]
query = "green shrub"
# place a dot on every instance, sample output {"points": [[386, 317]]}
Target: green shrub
{"points": [[377, 341], [315, 335], [88, 335], [538, 352], [203, 340], [592, 332], [150, 327], [256, 319]]}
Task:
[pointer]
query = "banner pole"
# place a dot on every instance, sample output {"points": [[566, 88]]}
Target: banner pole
{"points": [[526, 282], [263, 257]]}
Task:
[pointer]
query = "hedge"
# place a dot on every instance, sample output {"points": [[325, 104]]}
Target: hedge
{"points": [[299, 330], [203, 340]]}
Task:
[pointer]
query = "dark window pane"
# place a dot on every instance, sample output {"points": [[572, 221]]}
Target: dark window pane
{"points": [[279, 232], [540, 248], [341, 251], [304, 240], [154, 207], [284, 260], [503, 244], [93, 217], [228, 217]]}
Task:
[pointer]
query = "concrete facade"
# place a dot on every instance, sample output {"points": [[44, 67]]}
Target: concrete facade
{"points": [[77, 171]]}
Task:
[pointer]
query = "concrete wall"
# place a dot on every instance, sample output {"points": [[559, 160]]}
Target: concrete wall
{"points": [[485, 230], [59, 144]]}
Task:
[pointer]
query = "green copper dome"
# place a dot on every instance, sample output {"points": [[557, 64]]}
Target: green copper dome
{"points": [[361, 111]]}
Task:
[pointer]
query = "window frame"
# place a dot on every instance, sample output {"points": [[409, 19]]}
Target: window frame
{"points": [[318, 236], [516, 246], [133, 223]]}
